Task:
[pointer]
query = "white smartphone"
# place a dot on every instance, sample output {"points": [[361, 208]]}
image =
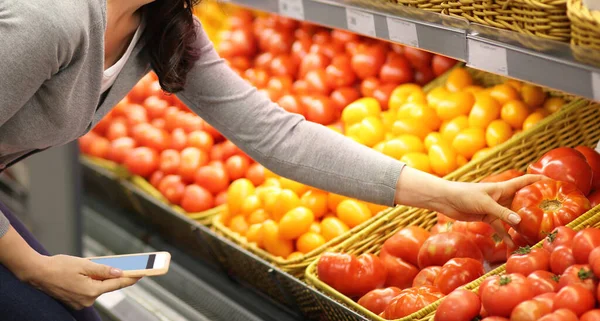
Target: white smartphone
{"points": [[137, 265]]}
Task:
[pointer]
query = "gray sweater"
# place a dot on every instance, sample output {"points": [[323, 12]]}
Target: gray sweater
{"points": [[51, 66]]}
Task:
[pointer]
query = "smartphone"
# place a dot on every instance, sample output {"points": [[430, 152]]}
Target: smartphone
{"points": [[137, 265]]}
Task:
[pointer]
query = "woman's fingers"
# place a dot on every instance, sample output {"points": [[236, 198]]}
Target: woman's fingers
{"points": [[116, 284]]}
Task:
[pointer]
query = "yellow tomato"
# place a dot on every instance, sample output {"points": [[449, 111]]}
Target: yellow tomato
{"points": [[457, 104], [286, 201], [295, 256], [410, 127], [375, 208], [258, 216], [255, 234], [316, 201], [461, 160], [515, 84], [422, 113], [504, 93], [436, 95], [273, 243], [335, 129], [371, 131], [238, 225], [360, 109], [514, 113], [295, 223], [269, 200], [388, 118], [250, 204], [442, 159], [433, 138], [419, 161], [263, 191], [498, 132], [309, 241], [332, 227], [474, 89], [269, 174], [237, 193], [379, 147], [333, 200], [554, 104], [298, 188], [458, 79], [353, 212], [271, 181], [450, 129], [469, 141], [315, 227], [353, 131], [485, 110], [403, 93], [532, 95], [481, 153], [403, 144], [533, 119]]}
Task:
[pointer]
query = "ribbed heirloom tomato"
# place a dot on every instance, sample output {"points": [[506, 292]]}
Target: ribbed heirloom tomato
{"points": [[440, 248], [545, 205], [410, 301], [405, 244], [400, 273], [377, 300], [567, 165], [350, 275], [593, 159], [458, 272], [427, 276]]}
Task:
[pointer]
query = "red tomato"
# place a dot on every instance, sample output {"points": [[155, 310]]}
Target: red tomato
{"points": [[172, 188], [567, 165], [243, 43], [263, 61], [418, 58], [350, 275], [575, 298], [442, 64], [327, 49], [594, 198], [368, 86], [170, 160], [116, 130], [213, 178], [300, 49], [291, 104], [100, 147], [410, 301], [317, 82], [501, 294], [196, 199], [284, 65], [241, 63], [460, 305], [119, 148], [339, 73], [527, 260], [545, 205], [458, 272], [406, 243], [377, 300], [594, 260], [518, 241], [561, 235], [142, 161], [593, 159], [201, 140], [443, 228], [396, 70], [319, 109], [485, 237], [256, 174], [156, 178], [140, 90], [530, 310], [342, 97], [257, 77], [440, 248], [424, 76], [368, 60], [504, 176], [313, 61], [237, 166], [229, 149], [400, 273], [560, 315], [561, 258], [546, 298], [494, 318], [156, 139], [221, 198], [543, 282], [212, 131], [155, 107], [178, 139], [583, 244], [592, 315], [279, 86], [579, 274], [159, 123], [135, 114], [191, 159], [427, 276], [382, 94], [341, 37], [441, 218]]}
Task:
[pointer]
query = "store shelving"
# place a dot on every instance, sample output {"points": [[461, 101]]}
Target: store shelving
{"points": [[544, 62]]}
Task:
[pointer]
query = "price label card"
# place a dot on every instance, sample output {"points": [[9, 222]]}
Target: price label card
{"points": [[403, 32], [292, 8], [596, 85], [360, 22], [487, 57], [111, 299]]}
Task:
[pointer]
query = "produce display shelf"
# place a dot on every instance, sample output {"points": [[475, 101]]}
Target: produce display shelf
{"points": [[548, 63]]}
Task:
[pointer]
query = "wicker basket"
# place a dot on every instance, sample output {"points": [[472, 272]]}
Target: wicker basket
{"points": [[585, 31], [575, 125]]}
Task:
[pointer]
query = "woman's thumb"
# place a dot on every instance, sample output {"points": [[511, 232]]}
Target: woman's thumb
{"points": [[101, 271]]}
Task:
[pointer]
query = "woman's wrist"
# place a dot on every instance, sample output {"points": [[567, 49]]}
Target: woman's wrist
{"points": [[423, 190], [17, 256]]}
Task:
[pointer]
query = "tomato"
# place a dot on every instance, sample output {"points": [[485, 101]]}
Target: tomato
{"points": [[99, 147], [442, 64], [377, 300], [119, 148], [424, 76], [237, 166], [178, 139], [560, 315], [172, 188], [342, 97], [561, 235], [494, 318], [469, 141], [400, 273], [440, 248], [309, 241], [313, 61], [237, 192], [575, 298], [196, 199], [283, 65], [319, 109], [353, 212], [332, 227], [442, 159], [317, 83], [543, 282], [485, 110], [594, 261], [192, 158], [368, 60], [458, 272], [530, 310], [460, 305], [170, 161], [295, 222], [487, 240], [546, 298], [593, 159], [565, 164], [350, 275], [116, 130], [501, 294], [594, 198], [455, 104], [339, 73], [256, 174], [212, 178], [406, 243], [156, 178], [583, 244], [427, 276], [527, 260], [458, 79], [443, 228], [514, 112], [579, 274], [545, 205], [396, 70], [561, 258], [418, 58], [410, 301], [504, 176], [142, 161], [136, 114], [592, 315], [273, 243], [382, 94]]}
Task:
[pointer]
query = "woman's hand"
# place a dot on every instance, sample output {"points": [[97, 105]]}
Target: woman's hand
{"points": [[72, 280]]}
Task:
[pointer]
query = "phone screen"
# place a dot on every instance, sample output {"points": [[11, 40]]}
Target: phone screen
{"points": [[128, 263]]}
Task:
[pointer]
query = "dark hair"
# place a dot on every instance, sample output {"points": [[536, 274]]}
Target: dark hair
{"points": [[170, 35]]}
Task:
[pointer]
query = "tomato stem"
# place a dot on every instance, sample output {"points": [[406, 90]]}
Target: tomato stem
{"points": [[584, 274], [505, 280], [551, 236], [550, 205], [555, 278], [523, 250]]}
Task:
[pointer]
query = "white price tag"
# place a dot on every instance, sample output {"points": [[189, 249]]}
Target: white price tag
{"points": [[403, 32], [487, 57], [596, 85], [292, 8], [361, 22], [111, 299]]}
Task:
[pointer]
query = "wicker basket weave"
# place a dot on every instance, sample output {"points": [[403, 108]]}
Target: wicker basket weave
{"points": [[585, 31]]}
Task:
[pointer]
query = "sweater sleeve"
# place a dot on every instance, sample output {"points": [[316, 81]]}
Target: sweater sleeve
{"points": [[283, 142], [4, 224]]}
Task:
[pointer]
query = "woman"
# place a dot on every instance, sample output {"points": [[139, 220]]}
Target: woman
{"points": [[66, 63]]}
